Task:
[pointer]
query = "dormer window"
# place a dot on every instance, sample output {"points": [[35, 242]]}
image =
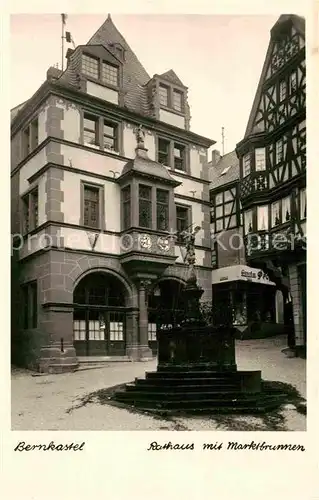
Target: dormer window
{"points": [[177, 100], [109, 74], [163, 95], [98, 69]]}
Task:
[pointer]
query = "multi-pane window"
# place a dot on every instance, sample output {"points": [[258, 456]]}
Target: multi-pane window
{"points": [[279, 151], [303, 204], [246, 165], [182, 218], [30, 305], [260, 159], [163, 151], [177, 100], [282, 90], [116, 330], [30, 137], [145, 206], [162, 200], [163, 95], [90, 66], [91, 206], [109, 136], [31, 210], [126, 199], [109, 74], [151, 331], [179, 157], [248, 221], [262, 218], [224, 203], [91, 130], [281, 211], [293, 82], [101, 133]]}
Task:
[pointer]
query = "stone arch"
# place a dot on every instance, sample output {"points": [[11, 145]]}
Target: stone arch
{"points": [[130, 294]]}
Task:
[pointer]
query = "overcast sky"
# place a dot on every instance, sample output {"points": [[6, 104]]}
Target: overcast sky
{"points": [[219, 58]]}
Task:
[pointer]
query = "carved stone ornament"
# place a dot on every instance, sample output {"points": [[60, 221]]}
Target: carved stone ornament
{"points": [[163, 243], [145, 241]]}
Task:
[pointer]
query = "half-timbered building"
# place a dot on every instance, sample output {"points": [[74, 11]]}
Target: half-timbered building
{"points": [[105, 172], [272, 158]]}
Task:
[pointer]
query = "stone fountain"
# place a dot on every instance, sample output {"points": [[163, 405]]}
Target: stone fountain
{"points": [[196, 370]]}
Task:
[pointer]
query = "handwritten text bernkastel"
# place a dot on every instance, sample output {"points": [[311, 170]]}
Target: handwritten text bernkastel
{"points": [[22, 446]]}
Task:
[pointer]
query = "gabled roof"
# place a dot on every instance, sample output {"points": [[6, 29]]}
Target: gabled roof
{"points": [[171, 76], [299, 25], [217, 177], [14, 111]]}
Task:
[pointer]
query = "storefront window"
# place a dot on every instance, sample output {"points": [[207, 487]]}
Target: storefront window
{"points": [[239, 308]]}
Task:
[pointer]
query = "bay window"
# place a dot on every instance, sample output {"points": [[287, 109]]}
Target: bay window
{"points": [[248, 221], [162, 200], [280, 211], [145, 206], [126, 200], [246, 165]]}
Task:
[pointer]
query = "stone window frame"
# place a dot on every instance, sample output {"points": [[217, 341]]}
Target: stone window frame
{"points": [[29, 292], [189, 217], [171, 162], [30, 137], [102, 218], [101, 61], [100, 119], [28, 210]]}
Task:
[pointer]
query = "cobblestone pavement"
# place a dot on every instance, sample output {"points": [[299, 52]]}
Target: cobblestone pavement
{"points": [[42, 402]]}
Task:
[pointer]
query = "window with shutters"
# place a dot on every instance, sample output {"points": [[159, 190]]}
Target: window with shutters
{"points": [[162, 209], [145, 206]]}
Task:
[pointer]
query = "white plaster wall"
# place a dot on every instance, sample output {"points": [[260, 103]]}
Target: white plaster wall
{"points": [[91, 161], [71, 124], [129, 142], [30, 168], [78, 239], [71, 206], [172, 118], [42, 118], [187, 186], [102, 92], [195, 164]]}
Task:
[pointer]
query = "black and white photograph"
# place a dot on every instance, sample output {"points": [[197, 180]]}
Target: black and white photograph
{"points": [[158, 222]]}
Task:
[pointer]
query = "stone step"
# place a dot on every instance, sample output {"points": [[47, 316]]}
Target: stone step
{"points": [[182, 387], [169, 375], [177, 382], [230, 396], [94, 360]]}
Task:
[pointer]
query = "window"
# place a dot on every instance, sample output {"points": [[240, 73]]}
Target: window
{"points": [[90, 66], [293, 82], [100, 133], [110, 136], [31, 210], [151, 331], [279, 151], [30, 305], [126, 200], [262, 218], [282, 90], [224, 204], [182, 218], [163, 151], [275, 214], [162, 199], [163, 95], [91, 206], [285, 210], [260, 159], [179, 157], [248, 221], [303, 204], [91, 130], [246, 165], [30, 137], [109, 74], [145, 206], [214, 256], [177, 100]]}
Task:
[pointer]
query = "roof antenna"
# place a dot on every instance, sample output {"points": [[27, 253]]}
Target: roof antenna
{"points": [[223, 142]]}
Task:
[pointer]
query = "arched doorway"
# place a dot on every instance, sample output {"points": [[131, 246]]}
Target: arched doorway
{"points": [[165, 307], [99, 316]]}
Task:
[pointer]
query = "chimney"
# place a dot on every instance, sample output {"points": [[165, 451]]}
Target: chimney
{"points": [[215, 157], [53, 73]]}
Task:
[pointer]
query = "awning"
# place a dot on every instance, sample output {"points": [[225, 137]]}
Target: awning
{"points": [[240, 273]]}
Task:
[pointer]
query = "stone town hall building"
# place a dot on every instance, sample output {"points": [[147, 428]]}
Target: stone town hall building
{"points": [[104, 169]]}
